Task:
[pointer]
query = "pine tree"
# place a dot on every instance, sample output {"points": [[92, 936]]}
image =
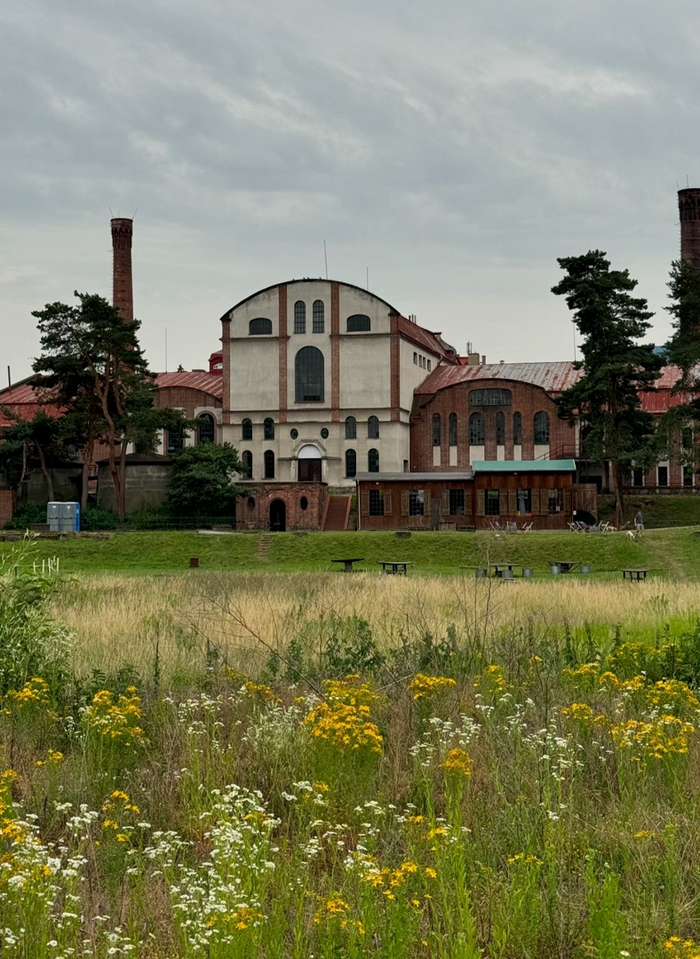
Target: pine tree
{"points": [[615, 366]]}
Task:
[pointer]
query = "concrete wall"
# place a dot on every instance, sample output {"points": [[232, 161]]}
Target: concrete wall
{"points": [[146, 486]]}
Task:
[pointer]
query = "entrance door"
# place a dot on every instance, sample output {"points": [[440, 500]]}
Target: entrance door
{"points": [[309, 465], [278, 516], [435, 510]]}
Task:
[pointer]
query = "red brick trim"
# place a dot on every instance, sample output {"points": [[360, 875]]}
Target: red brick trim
{"points": [[395, 374], [335, 352], [283, 341], [226, 369], [7, 506]]}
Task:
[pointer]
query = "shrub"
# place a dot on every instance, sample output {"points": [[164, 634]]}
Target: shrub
{"points": [[27, 516], [95, 518]]}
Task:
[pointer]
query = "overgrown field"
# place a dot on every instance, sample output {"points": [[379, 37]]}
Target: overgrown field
{"points": [[312, 765]]}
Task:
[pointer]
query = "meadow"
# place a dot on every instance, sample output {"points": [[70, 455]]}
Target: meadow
{"points": [[305, 764]]}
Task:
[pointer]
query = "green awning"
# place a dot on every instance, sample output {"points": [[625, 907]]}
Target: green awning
{"points": [[524, 466]]}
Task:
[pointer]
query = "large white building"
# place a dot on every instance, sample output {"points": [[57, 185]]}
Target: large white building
{"points": [[318, 381]]}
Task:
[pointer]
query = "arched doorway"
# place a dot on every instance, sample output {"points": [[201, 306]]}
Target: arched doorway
{"points": [[309, 464], [278, 516]]}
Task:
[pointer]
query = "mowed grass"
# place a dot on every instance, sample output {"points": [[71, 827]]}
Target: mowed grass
{"points": [[671, 552]]}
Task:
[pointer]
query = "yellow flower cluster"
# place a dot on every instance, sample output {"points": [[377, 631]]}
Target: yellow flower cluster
{"points": [[53, 758], [389, 881], [10, 830], [585, 675], [337, 910], [240, 919], [672, 694], [262, 692], [117, 806], [654, 739], [424, 687], [118, 721], [677, 948], [344, 719], [459, 762], [528, 860], [492, 680], [34, 693]]}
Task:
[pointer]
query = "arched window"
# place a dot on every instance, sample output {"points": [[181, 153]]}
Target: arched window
{"points": [[300, 317], [372, 428], [350, 463], [517, 429], [453, 429], [437, 429], [318, 316], [246, 429], [541, 429], [373, 461], [176, 440], [260, 326], [358, 323], [500, 429], [350, 428], [247, 461], [206, 428], [269, 428], [308, 373], [477, 431], [269, 464]]}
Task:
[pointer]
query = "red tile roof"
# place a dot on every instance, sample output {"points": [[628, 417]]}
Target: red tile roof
{"points": [[211, 383], [423, 338], [23, 399], [552, 377]]}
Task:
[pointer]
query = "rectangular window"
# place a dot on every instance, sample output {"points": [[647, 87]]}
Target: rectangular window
{"points": [[524, 501], [415, 359], [492, 502], [416, 502], [456, 502], [638, 476], [429, 366], [555, 500], [376, 502], [663, 476], [687, 475]]}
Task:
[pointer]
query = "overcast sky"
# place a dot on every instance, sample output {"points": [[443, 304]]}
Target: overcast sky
{"points": [[454, 148]]}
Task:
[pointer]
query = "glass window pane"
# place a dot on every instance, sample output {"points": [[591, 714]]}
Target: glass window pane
{"points": [[350, 428], [318, 316], [260, 326], [359, 323], [300, 317], [308, 367]]}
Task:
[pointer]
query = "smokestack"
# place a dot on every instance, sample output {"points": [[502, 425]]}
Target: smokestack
{"points": [[689, 212], [122, 286]]}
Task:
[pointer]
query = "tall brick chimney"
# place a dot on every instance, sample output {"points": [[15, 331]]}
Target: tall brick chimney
{"points": [[689, 212], [122, 286]]}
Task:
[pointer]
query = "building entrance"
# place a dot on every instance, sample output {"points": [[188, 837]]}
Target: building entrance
{"points": [[278, 516], [309, 465]]}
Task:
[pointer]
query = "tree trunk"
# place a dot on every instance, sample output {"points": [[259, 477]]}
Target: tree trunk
{"points": [[121, 504], [617, 488], [47, 473], [88, 453]]}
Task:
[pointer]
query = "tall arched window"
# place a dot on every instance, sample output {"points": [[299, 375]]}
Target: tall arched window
{"points": [[517, 429], [269, 464], [269, 428], [350, 428], [300, 317], [318, 316], [246, 429], [206, 428], [453, 429], [247, 460], [350, 463], [373, 461], [500, 429], [437, 429], [176, 440], [541, 429], [373, 428], [308, 374], [260, 326], [477, 430]]}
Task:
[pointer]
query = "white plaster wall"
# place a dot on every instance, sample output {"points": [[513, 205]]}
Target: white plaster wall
{"points": [[477, 453], [264, 304], [365, 372], [254, 374], [361, 301], [517, 452], [541, 451], [412, 375]]}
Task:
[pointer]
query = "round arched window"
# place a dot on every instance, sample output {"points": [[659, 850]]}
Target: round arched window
{"points": [[324, 433], [294, 434], [251, 503], [303, 502]]}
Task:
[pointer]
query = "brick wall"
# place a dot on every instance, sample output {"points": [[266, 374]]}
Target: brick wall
{"points": [[185, 398], [253, 510], [526, 399], [7, 506]]}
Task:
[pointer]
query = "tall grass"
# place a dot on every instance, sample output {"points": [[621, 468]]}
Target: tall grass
{"points": [[345, 766]]}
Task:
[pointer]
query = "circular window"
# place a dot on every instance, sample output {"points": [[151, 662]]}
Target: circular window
{"points": [[324, 433], [303, 502], [251, 503], [294, 434]]}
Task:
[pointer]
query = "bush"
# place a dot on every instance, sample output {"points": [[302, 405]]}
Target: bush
{"points": [[27, 516], [95, 518]]}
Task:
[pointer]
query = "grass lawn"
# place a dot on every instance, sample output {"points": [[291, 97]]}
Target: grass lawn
{"points": [[673, 552], [658, 510]]}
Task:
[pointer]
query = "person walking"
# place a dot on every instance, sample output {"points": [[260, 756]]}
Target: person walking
{"points": [[639, 522]]}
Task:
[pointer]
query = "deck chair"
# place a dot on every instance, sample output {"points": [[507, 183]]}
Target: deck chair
{"points": [[527, 527], [574, 527]]}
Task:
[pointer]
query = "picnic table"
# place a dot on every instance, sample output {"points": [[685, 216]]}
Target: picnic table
{"points": [[347, 563], [635, 574], [565, 565], [394, 567], [498, 568]]}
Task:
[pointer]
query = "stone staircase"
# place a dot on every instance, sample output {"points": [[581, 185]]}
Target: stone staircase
{"points": [[336, 515], [264, 544]]}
